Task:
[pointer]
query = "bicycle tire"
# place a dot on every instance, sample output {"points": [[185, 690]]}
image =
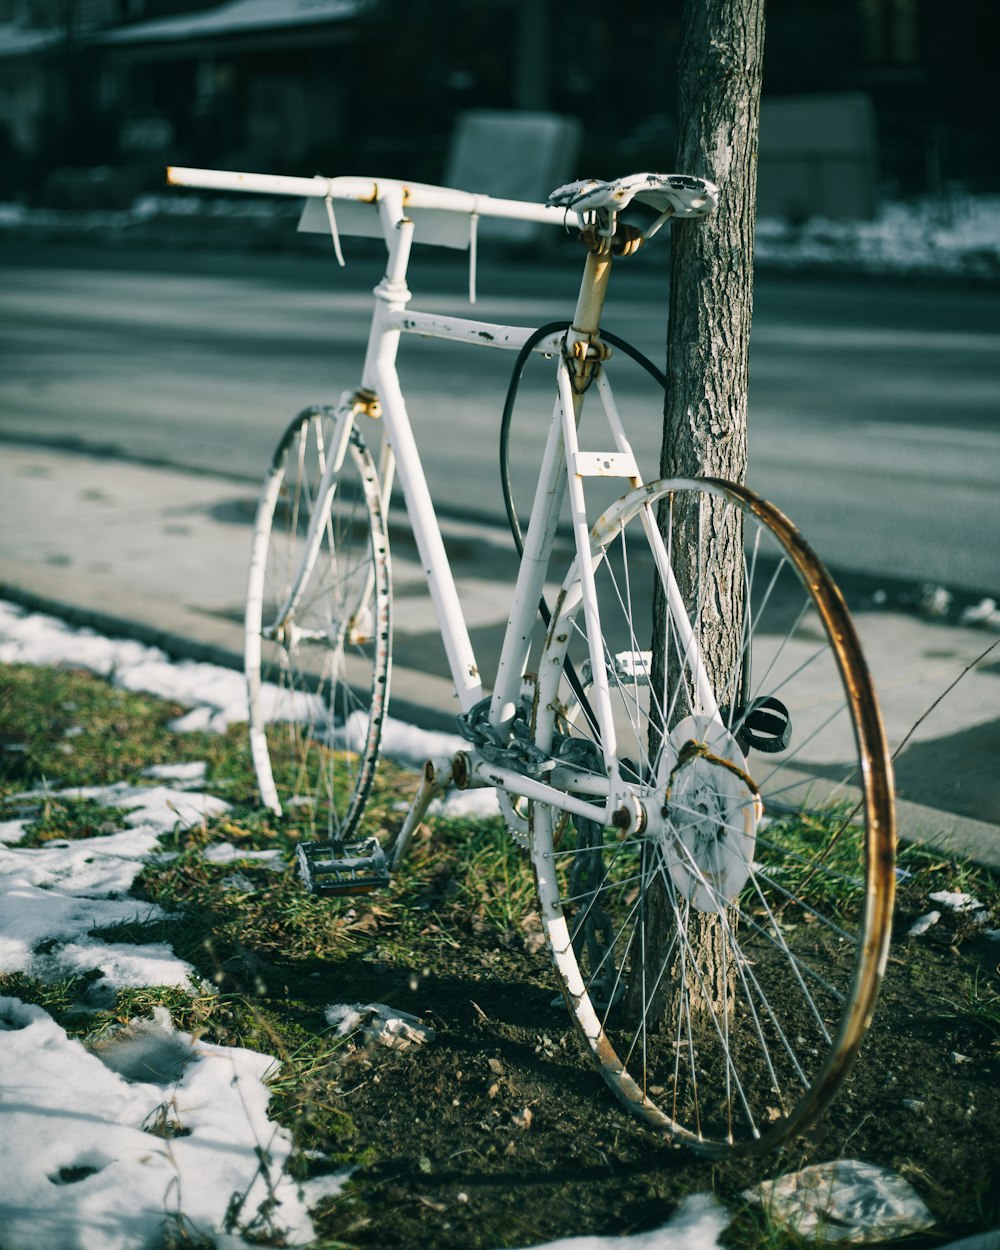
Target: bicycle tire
{"points": [[318, 685], [721, 969]]}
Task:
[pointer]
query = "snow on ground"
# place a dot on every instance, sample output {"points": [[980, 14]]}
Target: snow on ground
{"points": [[951, 234], [152, 1133], [98, 1176], [216, 696], [697, 1224], [143, 1136], [52, 897], [103, 1172]]}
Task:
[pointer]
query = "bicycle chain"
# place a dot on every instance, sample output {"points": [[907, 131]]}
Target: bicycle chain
{"points": [[512, 747]]}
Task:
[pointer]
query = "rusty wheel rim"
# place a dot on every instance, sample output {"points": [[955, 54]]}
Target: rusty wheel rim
{"points": [[798, 963]]}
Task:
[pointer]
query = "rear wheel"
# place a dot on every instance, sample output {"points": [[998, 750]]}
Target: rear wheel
{"points": [[721, 944], [318, 655]]}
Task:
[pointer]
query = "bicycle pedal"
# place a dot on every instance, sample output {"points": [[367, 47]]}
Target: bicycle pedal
{"points": [[350, 868]]}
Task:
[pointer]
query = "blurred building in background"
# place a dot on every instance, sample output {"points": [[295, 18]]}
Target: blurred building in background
{"points": [[859, 94]]}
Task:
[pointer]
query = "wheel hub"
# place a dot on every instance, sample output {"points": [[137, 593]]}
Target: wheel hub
{"points": [[709, 816]]}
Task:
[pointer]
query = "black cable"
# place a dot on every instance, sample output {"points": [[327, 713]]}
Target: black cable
{"points": [[552, 327]]}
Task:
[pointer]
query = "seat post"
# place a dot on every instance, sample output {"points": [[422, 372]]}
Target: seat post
{"points": [[584, 349], [593, 290]]}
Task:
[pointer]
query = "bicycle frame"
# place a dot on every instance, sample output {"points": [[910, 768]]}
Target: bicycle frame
{"points": [[565, 466]]}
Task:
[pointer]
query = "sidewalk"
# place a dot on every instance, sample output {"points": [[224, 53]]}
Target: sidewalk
{"points": [[160, 555]]}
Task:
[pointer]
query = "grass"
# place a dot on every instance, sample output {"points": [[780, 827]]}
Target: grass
{"points": [[980, 1004], [257, 938], [923, 871], [66, 727], [65, 819]]}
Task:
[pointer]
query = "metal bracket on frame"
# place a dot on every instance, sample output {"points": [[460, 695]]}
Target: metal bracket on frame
{"points": [[366, 402]]}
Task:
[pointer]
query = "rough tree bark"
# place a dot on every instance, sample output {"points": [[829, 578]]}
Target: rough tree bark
{"points": [[708, 341], [711, 276]]}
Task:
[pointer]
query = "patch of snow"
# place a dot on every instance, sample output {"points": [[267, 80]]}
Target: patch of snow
{"points": [[13, 830], [32, 917], [697, 1224], [88, 867], [96, 1176], [157, 808], [121, 964], [184, 776], [955, 900], [985, 614], [958, 237], [410, 745], [478, 804], [145, 1050], [226, 853], [53, 896], [216, 696]]}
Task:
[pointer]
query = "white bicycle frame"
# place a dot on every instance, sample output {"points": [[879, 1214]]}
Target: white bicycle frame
{"points": [[565, 465]]}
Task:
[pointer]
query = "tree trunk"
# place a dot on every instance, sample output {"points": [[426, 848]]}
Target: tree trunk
{"points": [[705, 419], [711, 274]]}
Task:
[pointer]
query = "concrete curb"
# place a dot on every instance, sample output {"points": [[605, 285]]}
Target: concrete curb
{"points": [[416, 697]]}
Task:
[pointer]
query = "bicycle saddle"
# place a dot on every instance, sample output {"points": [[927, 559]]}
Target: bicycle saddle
{"points": [[684, 194]]}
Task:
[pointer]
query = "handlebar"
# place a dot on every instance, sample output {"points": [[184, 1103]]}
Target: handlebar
{"points": [[371, 191]]}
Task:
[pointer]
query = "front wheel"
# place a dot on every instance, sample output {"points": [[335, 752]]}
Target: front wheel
{"points": [[720, 944], [317, 647]]}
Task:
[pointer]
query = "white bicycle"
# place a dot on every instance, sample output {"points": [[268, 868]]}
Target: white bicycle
{"points": [[698, 768]]}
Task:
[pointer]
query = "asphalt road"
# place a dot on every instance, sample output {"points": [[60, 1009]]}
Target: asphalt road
{"points": [[874, 413]]}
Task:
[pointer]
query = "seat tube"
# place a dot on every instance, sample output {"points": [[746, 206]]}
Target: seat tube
{"points": [[571, 401]]}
